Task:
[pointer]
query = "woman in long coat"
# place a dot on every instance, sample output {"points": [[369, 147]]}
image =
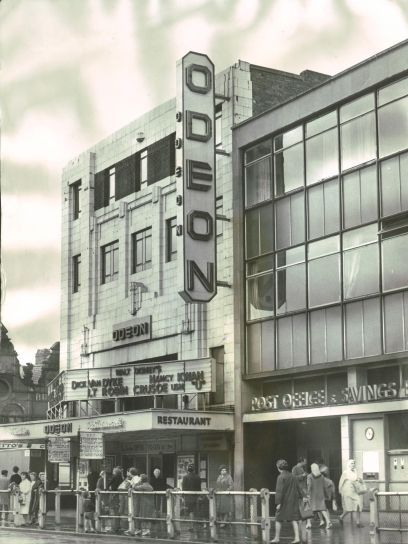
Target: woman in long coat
{"points": [[351, 500], [288, 494], [36, 484], [25, 496], [316, 489], [146, 509], [224, 503]]}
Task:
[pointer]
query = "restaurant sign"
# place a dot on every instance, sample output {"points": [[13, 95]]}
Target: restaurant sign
{"points": [[348, 395], [138, 380]]}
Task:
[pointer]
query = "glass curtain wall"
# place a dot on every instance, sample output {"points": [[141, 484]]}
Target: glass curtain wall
{"points": [[326, 226]]}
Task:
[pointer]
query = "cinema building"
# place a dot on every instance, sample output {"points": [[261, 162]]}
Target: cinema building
{"points": [[147, 333], [320, 260]]}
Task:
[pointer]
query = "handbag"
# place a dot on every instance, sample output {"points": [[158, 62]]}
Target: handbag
{"points": [[360, 487], [305, 509]]}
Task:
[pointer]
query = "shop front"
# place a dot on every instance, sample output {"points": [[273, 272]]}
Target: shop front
{"points": [[368, 423]]}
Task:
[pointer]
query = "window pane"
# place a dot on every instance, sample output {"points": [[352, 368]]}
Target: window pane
{"points": [[357, 107], [363, 328], [289, 169], [258, 182], [396, 322], [252, 233], [395, 262], [322, 156], [260, 265], [291, 289], [258, 151], [259, 231], [254, 347], [268, 345], [360, 271], [393, 127], [358, 141], [321, 123], [394, 185], [290, 226], [393, 91], [292, 350], [324, 247], [266, 228], [324, 280], [290, 256], [360, 197], [324, 213], [289, 138], [359, 237], [260, 294], [326, 335]]}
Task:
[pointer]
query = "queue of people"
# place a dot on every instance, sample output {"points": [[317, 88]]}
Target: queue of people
{"points": [[301, 495], [24, 490]]}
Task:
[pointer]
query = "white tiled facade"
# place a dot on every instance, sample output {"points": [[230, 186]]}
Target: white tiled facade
{"points": [[88, 316]]}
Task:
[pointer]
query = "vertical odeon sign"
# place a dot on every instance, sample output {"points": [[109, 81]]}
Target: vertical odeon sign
{"points": [[195, 174]]}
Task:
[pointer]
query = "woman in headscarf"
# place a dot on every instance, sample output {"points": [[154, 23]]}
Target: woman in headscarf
{"points": [[351, 500], [316, 487], [288, 494], [224, 503]]}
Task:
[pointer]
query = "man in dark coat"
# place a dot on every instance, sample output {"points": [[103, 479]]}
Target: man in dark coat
{"points": [[191, 482], [300, 473], [288, 493], [15, 477], [113, 485]]}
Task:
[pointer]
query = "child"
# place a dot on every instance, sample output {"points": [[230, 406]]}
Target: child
{"points": [[88, 509]]}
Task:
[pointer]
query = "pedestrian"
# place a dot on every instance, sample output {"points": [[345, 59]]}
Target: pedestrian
{"points": [[136, 477], [146, 505], [15, 477], [4, 492], [191, 482], [36, 485], [300, 473], [159, 484], [113, 486], [330, 489], [351, 500], [287, 497], [88, 510], [316, 489], [104, 501], [224, 503], [123, 497], [24, 497]]}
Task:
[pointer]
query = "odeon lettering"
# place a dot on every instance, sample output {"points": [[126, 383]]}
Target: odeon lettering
{"points": [[133, 331], [58, 428], [348, 395], [184, 420]]}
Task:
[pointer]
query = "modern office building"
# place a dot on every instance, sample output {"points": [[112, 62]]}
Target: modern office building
{"points": [[321, 263]]}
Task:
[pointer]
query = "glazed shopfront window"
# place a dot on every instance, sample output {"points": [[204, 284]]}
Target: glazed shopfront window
{"points": [[290, 280], [258, 174], [324, 271], [393, 118], [322, 148], [323, 209], [289, 163], [259, 231], [325, 331], [394, 185], [360, 201], [290, 220]]}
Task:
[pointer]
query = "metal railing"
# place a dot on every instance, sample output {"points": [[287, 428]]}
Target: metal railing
{"points": [[173, 510], [388, 517]]}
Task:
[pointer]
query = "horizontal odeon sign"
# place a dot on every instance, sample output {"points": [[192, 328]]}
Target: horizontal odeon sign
{"points": [[138, 380]]}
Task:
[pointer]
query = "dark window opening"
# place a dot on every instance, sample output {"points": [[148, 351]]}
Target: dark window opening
{"points": [[171, 239]]}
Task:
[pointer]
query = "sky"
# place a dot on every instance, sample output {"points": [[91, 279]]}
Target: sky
{"points": [[74, 71]]}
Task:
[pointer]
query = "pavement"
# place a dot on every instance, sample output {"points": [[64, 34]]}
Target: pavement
{"points": [[348, 534]]}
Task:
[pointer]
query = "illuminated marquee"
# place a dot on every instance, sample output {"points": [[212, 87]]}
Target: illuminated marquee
{"points": [[195, 172]]}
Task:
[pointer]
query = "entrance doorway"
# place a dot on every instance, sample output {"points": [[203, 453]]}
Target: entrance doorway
{"points": [[319, 440]]}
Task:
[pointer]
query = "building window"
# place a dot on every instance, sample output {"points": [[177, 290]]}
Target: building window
{"points": [[324, 271], [261, 346], [394, 261], [76, 273], [357, 132], [258, 174], [171, 239], [110, 262], [260, 296], [218, 126], [394, 185], [290, 220], [259, 231], [360, 202], [323, 209], [219, 211], [393, 118], [361, 262], [322, 148], [289, 167], [143, 168], [290, 280], [363, 328], [396, 322], [326, 335], [292, 347], [76, 199], [112, 183], [218, 396], [141, 250]]}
